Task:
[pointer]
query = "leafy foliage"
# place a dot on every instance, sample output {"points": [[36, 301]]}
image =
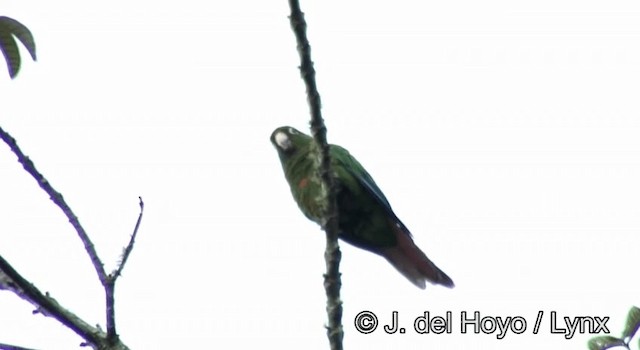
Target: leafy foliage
{"points": [[605, 342], [630, 329], [633, 323], [10, 28]]}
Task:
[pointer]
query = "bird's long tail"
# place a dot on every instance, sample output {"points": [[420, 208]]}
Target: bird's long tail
{"points": [[410, 261]]}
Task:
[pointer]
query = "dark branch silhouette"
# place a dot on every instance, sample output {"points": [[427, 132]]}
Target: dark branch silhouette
{"points": [[57, 198], [332, 281], [111, 279], [45, 304], [11, 280], [13, 347], [127, 251]]}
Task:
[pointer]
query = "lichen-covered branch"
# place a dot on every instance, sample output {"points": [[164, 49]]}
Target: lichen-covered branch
{"points": [[332, 281]]}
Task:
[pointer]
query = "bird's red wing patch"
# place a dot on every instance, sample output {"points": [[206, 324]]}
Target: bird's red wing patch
{"points": [[303, 183]]}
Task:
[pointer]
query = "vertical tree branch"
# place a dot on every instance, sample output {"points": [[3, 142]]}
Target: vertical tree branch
{"points": [[110, 300], [332, 282]]}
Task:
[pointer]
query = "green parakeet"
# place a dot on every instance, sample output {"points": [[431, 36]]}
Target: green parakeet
{"points": [[365, 218]]}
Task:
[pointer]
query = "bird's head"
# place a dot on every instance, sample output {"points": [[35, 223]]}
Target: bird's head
{"points": [[288, 141]]}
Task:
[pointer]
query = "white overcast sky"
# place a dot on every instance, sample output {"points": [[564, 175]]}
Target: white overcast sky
{"points": [[504, 133]]}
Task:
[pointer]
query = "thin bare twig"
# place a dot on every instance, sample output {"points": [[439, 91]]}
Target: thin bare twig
{"points": [[57, 198], [111, 279], [332, 281], [127, 251]]}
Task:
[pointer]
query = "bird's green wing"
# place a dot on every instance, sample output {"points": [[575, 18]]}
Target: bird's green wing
{"points": [[349, 164], [355, 169]]}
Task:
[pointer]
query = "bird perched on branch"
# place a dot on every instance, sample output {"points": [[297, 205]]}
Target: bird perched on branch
{"points": [[365, 218]]}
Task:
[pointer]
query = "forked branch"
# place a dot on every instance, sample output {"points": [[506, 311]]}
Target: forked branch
{"points": [[11, 280]]}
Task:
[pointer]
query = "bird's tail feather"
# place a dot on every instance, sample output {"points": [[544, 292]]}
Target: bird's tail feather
{"points": [[410, 261]]}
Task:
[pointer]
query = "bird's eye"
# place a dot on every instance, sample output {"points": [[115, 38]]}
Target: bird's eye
{"points": [[292, 131]]}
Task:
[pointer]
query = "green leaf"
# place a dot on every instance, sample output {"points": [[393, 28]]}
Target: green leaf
{"points": [[604, 342], [10, 28], [633, 323], [10, 51]]}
